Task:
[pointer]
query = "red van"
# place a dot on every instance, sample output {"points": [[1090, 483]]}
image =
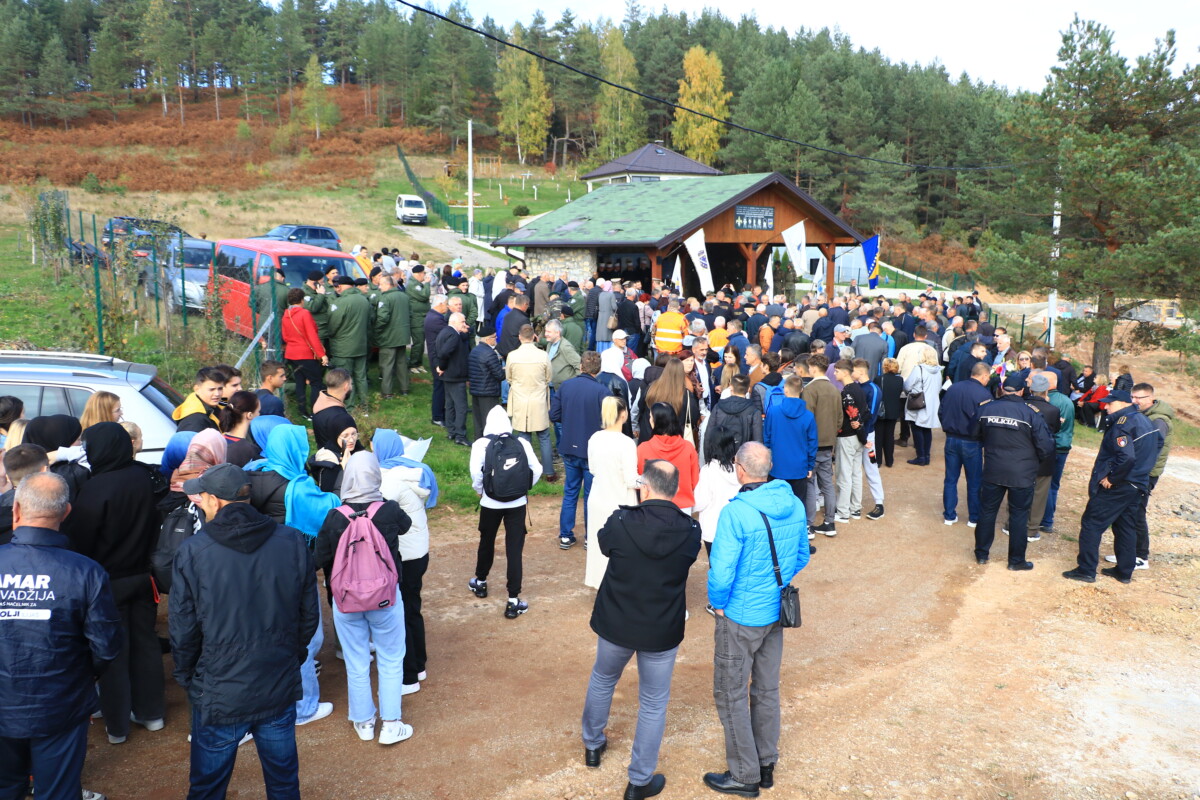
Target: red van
{"points": [[240, 263]]}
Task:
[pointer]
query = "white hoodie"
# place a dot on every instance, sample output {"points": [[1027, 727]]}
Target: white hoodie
{"points": [[403, 484], [497, 423]]}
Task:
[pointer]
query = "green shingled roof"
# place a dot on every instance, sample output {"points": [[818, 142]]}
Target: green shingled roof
{"points": [[647, 214]]}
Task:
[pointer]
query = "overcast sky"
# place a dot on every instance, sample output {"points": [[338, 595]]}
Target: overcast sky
{"points": [[1012, 43]]}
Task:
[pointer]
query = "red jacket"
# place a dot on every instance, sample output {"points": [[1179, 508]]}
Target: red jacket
{"points": [[679, 452], [300, 335], [1096, 395]]}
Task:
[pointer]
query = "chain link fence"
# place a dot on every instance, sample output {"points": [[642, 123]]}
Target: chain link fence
{"points": [[455, 221]]}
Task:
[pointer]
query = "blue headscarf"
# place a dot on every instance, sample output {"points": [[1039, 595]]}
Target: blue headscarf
{"points": [[175, 451], [286, 453], [389, 449], [261, 427]]}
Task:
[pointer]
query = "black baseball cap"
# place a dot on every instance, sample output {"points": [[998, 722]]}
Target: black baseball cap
{"points": [[224, 481], [315, 275], [1015, 382]]}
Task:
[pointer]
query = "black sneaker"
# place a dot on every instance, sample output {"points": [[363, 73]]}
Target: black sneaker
{"points": [[876, 513], [1113, 573], [827, 528], [566, 542], [1079, 575], [513, 610], [477, 587], [1047, 529], [439, 423], [856, 514]]}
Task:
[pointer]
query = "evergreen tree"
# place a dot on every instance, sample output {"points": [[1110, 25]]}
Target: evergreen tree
{"points": [[887, 199], [56, 79], [620, 116], [108, 64], [318, 109], [702, 89], [1117, 147]]}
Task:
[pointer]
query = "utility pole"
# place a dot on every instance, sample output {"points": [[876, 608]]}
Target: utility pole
{"points": [[1052, 309], [470, 181]]}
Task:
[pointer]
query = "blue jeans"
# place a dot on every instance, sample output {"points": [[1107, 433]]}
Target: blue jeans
{"points": [[654, 691], [356, 631], [556, 425], [962, 454], [306, 706], [589, 329], [214, 751], [543, 444], [55, 762], [633, 343], [578, 476], [1060, 461], [602, 346]]}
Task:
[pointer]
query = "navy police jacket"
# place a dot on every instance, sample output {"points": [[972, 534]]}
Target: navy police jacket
{"points": [[59, 630], [1128, 451], [1015, 441]]}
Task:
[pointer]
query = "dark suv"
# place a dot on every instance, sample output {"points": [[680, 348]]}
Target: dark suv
{"points": [[119, 227], [306, 234]]}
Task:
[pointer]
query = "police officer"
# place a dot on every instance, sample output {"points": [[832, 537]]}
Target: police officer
{"points": [[61, 631], [417, 289], [1015, 440], [270, 296], [316, 301], [1118, 488], [349, 326]]}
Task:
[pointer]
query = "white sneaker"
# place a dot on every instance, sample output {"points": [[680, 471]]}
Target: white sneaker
{"points": [[149, 724], [950, 521], [323, 711], [421, 676], [410, 688], [395, 731], [841, 520], [88, 794], [1005, 530], [1139, 563], [365, 730], [972, 524]]}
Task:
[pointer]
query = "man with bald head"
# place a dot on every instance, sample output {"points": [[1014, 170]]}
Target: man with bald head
{"points": [[453, 348]]}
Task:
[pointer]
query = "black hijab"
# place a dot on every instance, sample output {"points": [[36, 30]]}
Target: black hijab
{"points": [[108, 447], [54, 431]]}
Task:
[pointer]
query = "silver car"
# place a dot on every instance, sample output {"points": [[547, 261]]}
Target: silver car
{"points": [[61, 383]]}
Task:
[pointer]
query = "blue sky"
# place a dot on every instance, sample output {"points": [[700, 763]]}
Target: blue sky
{"points": [[1013, 44]]}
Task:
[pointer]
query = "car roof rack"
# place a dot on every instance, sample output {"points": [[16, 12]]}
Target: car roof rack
{"points": [[59, 355]]}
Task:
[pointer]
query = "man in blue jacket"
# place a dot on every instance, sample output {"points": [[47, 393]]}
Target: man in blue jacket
{"points": [[61, 631], [1117, 489], [790, 431], [744, 594], [576, 406], [959, 415]]}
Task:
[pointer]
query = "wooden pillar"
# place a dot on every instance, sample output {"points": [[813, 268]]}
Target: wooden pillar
{"points": [[827, 250], [750, 252], [655, 264]]}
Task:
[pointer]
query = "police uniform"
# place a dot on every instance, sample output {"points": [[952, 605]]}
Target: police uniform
{"points": [[1127, 454]]}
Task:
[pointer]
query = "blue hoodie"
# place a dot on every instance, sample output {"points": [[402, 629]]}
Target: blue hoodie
{"points": [[790, 430], [741, 577]]}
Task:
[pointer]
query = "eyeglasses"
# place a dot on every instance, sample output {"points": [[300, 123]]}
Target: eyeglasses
{"points": [[1023, 358]]}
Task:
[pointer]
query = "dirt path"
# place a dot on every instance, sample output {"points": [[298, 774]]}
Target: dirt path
{"points": [[449, 242], [917, 674]]}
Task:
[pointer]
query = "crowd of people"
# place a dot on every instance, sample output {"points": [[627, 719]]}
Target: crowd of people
{"points": [[739, 422]]}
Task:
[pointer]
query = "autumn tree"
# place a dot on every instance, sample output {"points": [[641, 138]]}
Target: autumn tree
{"points": [[317, 107], [702, 89], [525, 104], [620, 115], [161, 41], [1117, 146]]}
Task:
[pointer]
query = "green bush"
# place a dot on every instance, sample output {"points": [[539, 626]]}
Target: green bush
{"points": [[521, 211], [91, 184]]}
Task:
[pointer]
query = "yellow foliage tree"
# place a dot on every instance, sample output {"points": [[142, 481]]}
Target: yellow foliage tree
{"points": [[702, 88], [525, 104]]}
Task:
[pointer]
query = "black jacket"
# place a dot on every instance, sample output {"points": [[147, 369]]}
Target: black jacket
{"points": [[510, 332], [244, 606], [485, 370], [452, 352], [1015, 440], [74, 473], [391, 521], [1127, 452], [960, 408], [740, 415], [892, 386], [50, 665], [267, 492], [854, 409], [629, 317], [433, 326], [642, 599], [6, 515], [1053, 421], [591, 308]]}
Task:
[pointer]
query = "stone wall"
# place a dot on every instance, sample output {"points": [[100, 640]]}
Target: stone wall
{"points": [[578, 262]]}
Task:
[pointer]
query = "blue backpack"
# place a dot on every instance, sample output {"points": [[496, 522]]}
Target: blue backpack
{"points": [[769, 396]]}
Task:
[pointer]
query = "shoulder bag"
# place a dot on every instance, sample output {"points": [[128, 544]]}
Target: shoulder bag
{"points": [[789, 596]]}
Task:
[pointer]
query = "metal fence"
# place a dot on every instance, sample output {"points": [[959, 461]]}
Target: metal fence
{"points": [[927, 274], [455, 221]]}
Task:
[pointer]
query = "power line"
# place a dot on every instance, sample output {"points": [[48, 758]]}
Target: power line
{"points": [[726, 122]]}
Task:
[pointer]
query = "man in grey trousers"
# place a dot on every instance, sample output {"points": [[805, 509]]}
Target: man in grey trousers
{"points": [[640, 608]]}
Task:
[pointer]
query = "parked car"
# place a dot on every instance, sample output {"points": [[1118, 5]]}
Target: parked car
{"points": [[61, 383], [184, 273], [241, 263], [118, 227], [85, 252], [306, 234], [410, 208]]}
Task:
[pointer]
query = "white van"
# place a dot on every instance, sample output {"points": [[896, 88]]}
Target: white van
{"points": [[410, 208]]}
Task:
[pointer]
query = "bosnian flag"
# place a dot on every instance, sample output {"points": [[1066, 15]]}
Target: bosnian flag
{"points": [[871, 254]]}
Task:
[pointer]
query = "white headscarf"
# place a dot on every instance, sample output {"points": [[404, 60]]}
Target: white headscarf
{"points": [[611, 360]]}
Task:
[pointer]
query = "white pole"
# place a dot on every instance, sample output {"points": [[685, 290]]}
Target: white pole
{"points": [[1052, 310], [470, 182]]}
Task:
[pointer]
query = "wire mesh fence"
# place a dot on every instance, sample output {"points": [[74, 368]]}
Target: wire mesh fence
{"points": [[455, 221]]}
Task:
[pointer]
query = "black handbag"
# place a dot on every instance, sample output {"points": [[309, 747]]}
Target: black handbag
{"points": [[915, 401], [789, 596]]}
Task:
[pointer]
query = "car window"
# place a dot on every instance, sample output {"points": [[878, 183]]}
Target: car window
{"points": [[266, 265], [296, 268], [78, 399], [54, 401], [280, 230], [164, 398], [29, 394], [414, 203], [235, 262], [325, 233]]}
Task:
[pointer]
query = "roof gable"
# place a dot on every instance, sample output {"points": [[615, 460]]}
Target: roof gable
{"points": [[652, 158], [652, 214]]}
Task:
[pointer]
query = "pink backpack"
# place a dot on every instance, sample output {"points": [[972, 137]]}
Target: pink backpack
{"points": [[364, 573]]}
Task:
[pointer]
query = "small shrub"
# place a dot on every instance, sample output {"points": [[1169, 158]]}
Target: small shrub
{"points": [[521, 211], [91, 184]]}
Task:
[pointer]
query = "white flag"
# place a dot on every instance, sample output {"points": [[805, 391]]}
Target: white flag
{"points": [[695, 248], [677, 273], [797, 247], [770, 278]]}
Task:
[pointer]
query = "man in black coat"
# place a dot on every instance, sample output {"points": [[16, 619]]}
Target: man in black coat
{"points": [[640, 609], [514, 320], [738, 412], [629, 319], [453, 350], [435, 323], [485, 371], [244, 606]]}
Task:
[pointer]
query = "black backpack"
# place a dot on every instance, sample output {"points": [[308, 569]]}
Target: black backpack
{"points": [[506, 472], [179, 526]]}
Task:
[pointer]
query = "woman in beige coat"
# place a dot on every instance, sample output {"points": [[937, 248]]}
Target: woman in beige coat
{"points": [[612, 460], [528, 373]]}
